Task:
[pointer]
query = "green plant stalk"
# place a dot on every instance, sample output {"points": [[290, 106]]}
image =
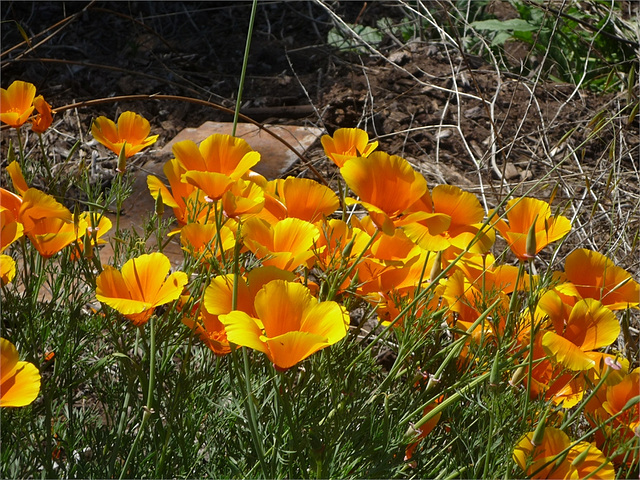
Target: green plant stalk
{"points": [[123, 414], [246, 373], [20, 146], [45, 158], [148, 409], [445, 403], [245, 61], [531, 341], [334, 288]]}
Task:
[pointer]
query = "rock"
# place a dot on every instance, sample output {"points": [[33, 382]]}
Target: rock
{"points": [[276, 157]]}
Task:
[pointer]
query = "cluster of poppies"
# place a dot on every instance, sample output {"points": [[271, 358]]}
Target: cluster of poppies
{"points": [[285, 255]]}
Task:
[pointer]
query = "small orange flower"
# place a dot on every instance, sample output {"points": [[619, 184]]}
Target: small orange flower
{"points": [[589, 326], [610, 400], [131, 131], [386, 184], [44, 119], [596, 276], [306, 199], [525, 214], [186, 200], [454, 219], [141, 286], [286, 244], [10, 229], [19, 381], [7, 269], [546, 460], [230, 156], [290, 326], [16, 103], [347, 143]]}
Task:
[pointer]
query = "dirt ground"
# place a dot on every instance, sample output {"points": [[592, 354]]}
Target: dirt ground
{"points": [[456, 117]]}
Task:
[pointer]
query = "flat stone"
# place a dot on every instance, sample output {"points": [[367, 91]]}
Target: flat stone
{"points": [[276, 157]]}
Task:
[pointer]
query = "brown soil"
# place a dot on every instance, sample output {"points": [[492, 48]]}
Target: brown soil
{"points": [[456, 118]]}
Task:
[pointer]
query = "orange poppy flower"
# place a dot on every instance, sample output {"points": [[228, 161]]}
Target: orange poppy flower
{"points": [[545, 460], [201, 240], [132, 131], [619, 389], [455, 220], [10, 229], [525, 214], [16, 103], [230, 156], [347, 143], [306, 199], [47, 223], [218, 296], [290, 326], [19, 381], [286, 244], [243, 199], [386, 184], [141, 286], [596, 276], [186, 200], [589, 326], [17, 178], [44, 119], [206, 326], [7, 269]]}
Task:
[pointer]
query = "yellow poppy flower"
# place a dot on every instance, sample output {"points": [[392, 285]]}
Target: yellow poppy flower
{"points": [[545, 460], [286, 244], [347, 143], [306, 199], [290, 326], [7, 269], [19, 381], [186, 200], [44, 119], [141, 286], [589, 326], [224, 154], [132, 131], [524, 214], [16, 103], [10, 229], [386, 184], [596, 276]]}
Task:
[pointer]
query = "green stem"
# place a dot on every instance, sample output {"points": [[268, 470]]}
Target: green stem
{"points": [[148, 408], [123, 413], [245, 61]]}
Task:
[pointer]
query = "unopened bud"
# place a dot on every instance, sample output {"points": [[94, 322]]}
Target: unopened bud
{"points": [[159, 205], [346, 251], [517, 376], [581, 457], [436, 269], [538, 434], [122, 159], [531, 246], [494, 377]]}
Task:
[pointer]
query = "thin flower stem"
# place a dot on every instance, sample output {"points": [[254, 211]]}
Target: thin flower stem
{"points": [[123, 413], [20, 146], [532, 336], [45, 159], [148, 408], [245, 61]]}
